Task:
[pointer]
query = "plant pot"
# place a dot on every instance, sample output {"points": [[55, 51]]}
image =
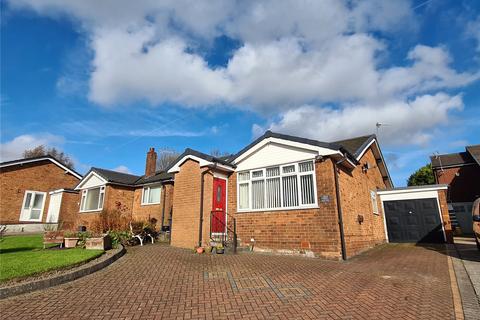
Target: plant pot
{"points": [[71, 242], [208, 249], [199, 250], [220, 250], [99, 243]]}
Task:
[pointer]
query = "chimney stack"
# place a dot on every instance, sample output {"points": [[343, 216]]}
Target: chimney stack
{"points": [[151, 163]]}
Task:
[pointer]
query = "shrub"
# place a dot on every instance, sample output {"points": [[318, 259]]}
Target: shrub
{"points": [[112, 220], [120, 237]]}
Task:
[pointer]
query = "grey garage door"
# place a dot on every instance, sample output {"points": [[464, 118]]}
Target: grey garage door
{"points": [[413, 221]]}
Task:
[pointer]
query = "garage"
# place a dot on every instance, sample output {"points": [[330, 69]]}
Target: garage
{"points": [[416, 214]]}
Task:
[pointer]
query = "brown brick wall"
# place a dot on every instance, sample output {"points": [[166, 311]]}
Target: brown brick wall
{"points": [[186, 204], [314, 230], [145, 212], [464, 182], [69, 210], [115, 196], [442, 199], [355, 187], [39, 176]]}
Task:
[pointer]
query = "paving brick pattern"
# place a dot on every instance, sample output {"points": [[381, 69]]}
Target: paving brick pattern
{"points": [[161, 282]]}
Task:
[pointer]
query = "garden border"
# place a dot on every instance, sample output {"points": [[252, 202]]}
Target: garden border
{"points": [[75, 273]]}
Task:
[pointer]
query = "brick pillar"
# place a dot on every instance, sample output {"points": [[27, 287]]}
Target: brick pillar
{"points": [[151, 163]]}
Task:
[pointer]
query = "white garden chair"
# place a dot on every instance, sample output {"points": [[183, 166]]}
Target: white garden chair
{"points": [[140, 236]]}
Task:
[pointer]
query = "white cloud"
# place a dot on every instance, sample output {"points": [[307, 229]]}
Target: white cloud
{"points": [[123, 169], [14, 148], [294, 60], [473, 31], [408, 122]]}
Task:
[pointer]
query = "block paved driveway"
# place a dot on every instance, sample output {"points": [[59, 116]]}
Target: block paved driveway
{"points": [[161, 282]]}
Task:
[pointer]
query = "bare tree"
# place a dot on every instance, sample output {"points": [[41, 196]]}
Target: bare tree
{"points": [[218, 154], [165, 157], [41, 150]]}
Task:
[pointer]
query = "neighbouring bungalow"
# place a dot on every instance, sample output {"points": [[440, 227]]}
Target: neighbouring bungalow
{"points": [[138, 197], [461, 172], [37, 194]]}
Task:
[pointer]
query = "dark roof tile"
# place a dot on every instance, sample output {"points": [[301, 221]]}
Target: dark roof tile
{"points": [[451, 159], [474, 152]]}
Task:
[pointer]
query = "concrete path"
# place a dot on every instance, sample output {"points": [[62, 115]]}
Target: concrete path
{"points": [[467, 270]]}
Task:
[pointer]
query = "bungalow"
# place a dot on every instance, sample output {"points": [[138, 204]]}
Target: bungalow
{"points": [[31, 187], [138, 197], [283, 193]]}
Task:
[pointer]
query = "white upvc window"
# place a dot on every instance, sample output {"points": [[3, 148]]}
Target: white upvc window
{"points": [[92, 199], [151, 195], [373, 198], [289, 186], [33, 205]]}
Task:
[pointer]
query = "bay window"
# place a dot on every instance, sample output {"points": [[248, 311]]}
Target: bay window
{"points": [[151, 195], [281, 187], [92, 199]]}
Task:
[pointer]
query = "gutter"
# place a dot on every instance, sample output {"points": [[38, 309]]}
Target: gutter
{"points": [[339, 206]]}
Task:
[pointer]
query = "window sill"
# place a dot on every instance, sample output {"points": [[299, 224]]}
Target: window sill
{"points": [[90, 211], [278, 209], [149, 204], [32, 220]]}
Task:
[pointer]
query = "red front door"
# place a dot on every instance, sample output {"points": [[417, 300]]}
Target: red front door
{"points": [[218, 205]]}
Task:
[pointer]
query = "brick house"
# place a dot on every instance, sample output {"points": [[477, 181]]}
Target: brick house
{"points": [[285, 194], [461, 172], [36, 192], [139, 197]]}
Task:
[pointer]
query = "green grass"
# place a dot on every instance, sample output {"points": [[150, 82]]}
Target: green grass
{"points": [[22, 256]]}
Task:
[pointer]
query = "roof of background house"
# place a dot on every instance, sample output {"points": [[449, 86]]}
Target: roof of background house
{"points": [[190, 152], [131, 180], [356, 145], [39, 159], [474, 152], [157, 177], [470, 156]]}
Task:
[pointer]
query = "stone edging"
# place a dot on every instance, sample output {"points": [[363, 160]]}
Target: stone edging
{"points": [[62, 278], [457, 300]]}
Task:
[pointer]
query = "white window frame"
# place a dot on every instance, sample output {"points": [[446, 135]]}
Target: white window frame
{"points": [[374, 201], [148, 191], [23, 206], [264, 177], [84, 195]]}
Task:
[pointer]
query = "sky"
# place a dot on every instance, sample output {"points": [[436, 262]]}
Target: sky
{"points": [[104, 81]]}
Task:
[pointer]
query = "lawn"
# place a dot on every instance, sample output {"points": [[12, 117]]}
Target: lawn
{"points": [[22, 256]]}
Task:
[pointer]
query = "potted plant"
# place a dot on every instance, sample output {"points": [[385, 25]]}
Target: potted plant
{"points": [[219, 249], [208, 249], [99, 242], [199, 250], [71, 239]]}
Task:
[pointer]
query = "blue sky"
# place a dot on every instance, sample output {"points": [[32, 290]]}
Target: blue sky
{"points": [[104, 88]]}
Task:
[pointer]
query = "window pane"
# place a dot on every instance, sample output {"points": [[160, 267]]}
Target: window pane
{"points": [[305, 166], [258, 194], [38, 201], [100, 200], [92, 199], [257, 174], [273, 193], [154, 196], [306, 187], [290, 191], [273, 172], [243, 196], [288, 169], [26, 205], [145, 195], [243, 176], [35, 214]]}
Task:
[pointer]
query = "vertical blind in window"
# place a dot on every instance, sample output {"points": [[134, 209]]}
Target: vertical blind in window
{"points": [[287, 186]]}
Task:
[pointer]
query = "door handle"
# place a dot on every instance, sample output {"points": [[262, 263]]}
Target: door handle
{"points": [[410, 212]]}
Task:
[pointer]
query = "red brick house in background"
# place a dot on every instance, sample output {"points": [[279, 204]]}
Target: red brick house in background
{"points": [[461, 172], [139, 197], [287, 194], [36, 192]]}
